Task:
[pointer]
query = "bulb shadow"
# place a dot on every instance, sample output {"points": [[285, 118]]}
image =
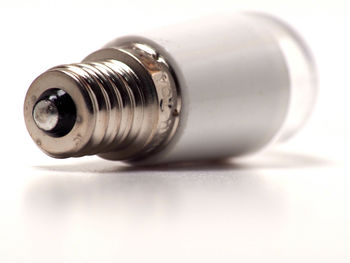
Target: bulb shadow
{"points": [[109, 186], [272, 160]]}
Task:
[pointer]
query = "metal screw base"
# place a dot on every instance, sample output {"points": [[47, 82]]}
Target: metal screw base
{"points": [[126, 101]]}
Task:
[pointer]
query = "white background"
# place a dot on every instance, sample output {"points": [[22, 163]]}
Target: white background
{"points": [[288, 204]]}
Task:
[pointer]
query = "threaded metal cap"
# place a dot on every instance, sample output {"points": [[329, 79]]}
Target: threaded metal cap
{"points": [[120, 103]]}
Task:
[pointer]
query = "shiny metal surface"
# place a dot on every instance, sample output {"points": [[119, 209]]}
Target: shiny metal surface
{"points": [[45, 115], [126, 99]]}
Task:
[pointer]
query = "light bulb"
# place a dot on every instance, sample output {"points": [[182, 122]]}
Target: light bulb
{"points": [[207, 89]]}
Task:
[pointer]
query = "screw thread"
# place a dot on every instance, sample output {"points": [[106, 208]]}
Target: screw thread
{"points": [[119, 97], [116, 101]]}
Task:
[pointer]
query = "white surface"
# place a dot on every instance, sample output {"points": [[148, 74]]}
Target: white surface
{"points": [[290, 204], [236, 78]]}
